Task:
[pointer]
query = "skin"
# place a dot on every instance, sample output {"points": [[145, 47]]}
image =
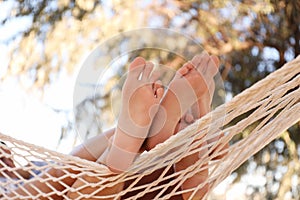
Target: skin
{"points": [[141, 95], [198, 110], [117, 188], [86, 151], [140, 101], [191, 87], [186, 120], [193, 74], [199, 71], [190, 83]]}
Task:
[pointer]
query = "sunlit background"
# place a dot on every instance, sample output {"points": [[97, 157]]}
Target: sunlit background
{"points": [[44, 43]]}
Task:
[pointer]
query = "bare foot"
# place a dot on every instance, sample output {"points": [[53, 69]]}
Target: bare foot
{"points": [[140, 101], [141, 96], [190, 83], [199, 109], [203, 106]]}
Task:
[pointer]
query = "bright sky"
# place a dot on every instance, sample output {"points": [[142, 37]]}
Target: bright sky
{"points": [[18, 108], [23, 116], [27, 118]]}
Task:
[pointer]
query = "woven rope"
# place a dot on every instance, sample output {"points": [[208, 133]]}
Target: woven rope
{"points": [[260, 114]]}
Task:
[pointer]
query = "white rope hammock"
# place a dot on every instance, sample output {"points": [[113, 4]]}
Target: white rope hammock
{"points": [[262, 113]]}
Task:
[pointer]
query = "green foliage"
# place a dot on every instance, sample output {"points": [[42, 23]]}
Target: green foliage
{"points": [[253, 38]]}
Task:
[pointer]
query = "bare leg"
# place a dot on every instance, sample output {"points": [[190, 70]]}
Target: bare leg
{"points": [[81, 152], [137, 95], [203, 106], [148, 179], [184, 163], [199, 109], [140, 100], [86, 151], [93, 148], [172, 110]]}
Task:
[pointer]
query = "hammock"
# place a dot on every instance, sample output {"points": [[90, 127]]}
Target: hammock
{"points": [[260, 113]]}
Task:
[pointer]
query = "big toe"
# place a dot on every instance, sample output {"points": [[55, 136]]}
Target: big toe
{"points": [[216, 60], [184, 70], [147, 70], [213, 65], [158, 90], [197, 60], [137, 66]]}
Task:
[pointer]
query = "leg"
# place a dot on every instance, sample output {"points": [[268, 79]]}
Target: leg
{"points": [[185, 162], [93, 148], [172, 110], [140, 99], [88, 190], [86, 150], [186, 120], [203, 106], [199, 109], [140, 102]]}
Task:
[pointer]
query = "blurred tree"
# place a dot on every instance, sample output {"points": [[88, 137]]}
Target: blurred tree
{"points": [[253, 38]]}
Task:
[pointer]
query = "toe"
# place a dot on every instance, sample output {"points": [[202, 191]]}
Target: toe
{"points": [[212, 67], [147, 70], [158, 89], [196, 60], [189, 118], [189, 65], [202, 66], [159, 93], [154, 76], [156, 86], [184, 70], [137, 66], [216, 60]]}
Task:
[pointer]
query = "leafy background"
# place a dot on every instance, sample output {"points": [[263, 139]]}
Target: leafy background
{"points": [[45, 38]]}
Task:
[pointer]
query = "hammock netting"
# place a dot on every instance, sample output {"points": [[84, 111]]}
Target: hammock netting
{"points": [[264, 111]]}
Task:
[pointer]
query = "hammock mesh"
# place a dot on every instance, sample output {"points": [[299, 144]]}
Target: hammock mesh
{"points": [[260, 113]]}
